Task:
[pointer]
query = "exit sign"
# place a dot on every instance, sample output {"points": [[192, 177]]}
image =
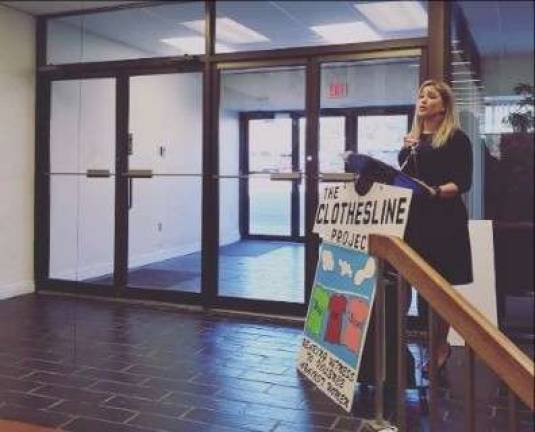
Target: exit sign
{"points": [[337, 89]]}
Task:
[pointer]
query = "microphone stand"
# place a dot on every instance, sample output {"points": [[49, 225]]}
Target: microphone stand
{"points": [[412, 154]]}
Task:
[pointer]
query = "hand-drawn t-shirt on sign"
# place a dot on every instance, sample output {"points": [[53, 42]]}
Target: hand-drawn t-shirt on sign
{"points": [[319, 302], [357, 312], [337, 306]]}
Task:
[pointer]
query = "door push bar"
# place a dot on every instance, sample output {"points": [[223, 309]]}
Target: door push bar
{"points": [[338, 177], [289, 176], [296, 175], [139, 173], [323, 177], [98, 173]]}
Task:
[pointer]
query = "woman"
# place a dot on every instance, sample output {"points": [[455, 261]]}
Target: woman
{"points": [[438, 152]]}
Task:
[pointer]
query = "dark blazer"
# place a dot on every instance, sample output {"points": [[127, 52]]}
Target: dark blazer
{"points": [[438, 228]]}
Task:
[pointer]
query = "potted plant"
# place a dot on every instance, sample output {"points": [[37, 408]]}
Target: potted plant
{"points": [[522, 120]]}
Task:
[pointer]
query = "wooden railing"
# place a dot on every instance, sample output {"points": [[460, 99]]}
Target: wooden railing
{"points": [[482, 337]]}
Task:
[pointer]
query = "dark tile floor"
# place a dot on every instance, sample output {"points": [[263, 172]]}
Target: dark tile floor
{"points": [[86, 365]]}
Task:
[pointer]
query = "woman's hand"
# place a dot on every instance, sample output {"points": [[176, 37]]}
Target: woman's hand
{"points": [[409, 141]]}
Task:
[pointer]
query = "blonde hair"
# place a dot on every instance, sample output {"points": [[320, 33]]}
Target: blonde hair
{"points": [[450, 121]]}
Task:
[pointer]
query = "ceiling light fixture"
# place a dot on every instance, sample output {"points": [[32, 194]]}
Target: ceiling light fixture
{"points": [[351, 32], [229, 31], [394, 16]]}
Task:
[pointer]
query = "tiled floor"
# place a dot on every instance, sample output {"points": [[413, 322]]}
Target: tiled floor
{"points": [[102, 366]]}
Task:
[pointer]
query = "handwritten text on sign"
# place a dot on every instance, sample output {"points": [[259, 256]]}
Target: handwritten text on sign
{"points": [[330, 374]]}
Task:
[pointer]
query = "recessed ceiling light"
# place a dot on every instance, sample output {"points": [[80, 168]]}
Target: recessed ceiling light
{"points": [[351, 32], [394, 16], [229, 31], [192, 44]]}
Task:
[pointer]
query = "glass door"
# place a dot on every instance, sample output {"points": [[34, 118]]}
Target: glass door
{"points": [[82, 181], [165, 183], [261, 251]]}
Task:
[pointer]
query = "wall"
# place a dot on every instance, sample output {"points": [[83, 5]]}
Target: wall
{"points": [[17, 105]]}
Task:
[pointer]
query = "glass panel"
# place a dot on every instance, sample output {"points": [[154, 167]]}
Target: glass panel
{"points": [[377, 84], [156, 31], [82, 125], [378, 96], [165, 212], [78, 250], [332, 142], [270, 206], [253, 204], [379, 136], [270, 145], [82, 210], [255, 269], [164, 238], [252, 26], [270, 150], [167, 137]]}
